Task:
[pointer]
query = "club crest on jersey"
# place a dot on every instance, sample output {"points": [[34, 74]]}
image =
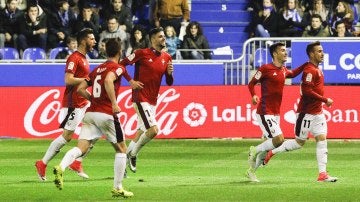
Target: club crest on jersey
{"points": [[71, 66], [163, 61], [258, 75], [131, 57], [308, 77], [274, 74], [150, 60], [119, 71]]}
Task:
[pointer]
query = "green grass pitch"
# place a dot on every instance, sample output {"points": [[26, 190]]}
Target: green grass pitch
{"points": [[184, 170]]}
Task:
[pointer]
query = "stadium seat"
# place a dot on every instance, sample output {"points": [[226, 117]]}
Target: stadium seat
{"points": [[8, 53], [34, 54], [55, 51]]}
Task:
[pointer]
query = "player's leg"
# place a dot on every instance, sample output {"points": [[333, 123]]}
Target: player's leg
{"points": [[71, 119], [115, 135], [270, 126], [88, 135], [319, 130], [147, 121], [302, 128]]}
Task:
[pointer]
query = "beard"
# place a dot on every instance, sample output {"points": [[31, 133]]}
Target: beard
{"points": [[162, 46]]}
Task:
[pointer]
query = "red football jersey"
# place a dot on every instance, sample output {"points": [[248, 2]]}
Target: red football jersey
{"points": [[272, 80], [312, 90], [100, 101], [77, 65], [150, 67]]}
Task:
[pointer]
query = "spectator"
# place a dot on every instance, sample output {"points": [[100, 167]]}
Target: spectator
{"points": [[102, 49], [172, 41], [9, 23], [141, 11], [343, 12], [21, 4], [114, 31], [87, 19], [122, 13], [266, 21], [316, 29], [291, 23], [33, 28], [319, 8], [139, 38], [340, 30], [171, 13], [71, 46], [60, 24], [194, 39]]}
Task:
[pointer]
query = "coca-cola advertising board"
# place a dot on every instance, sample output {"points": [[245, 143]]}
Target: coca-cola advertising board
{"points": [[182, 112]]}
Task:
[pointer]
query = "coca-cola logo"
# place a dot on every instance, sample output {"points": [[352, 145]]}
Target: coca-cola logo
{"points": [[43, 116]]}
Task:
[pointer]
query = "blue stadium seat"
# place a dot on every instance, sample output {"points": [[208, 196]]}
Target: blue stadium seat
{"points": [[34, 54], [55, 51], [8, 53]]}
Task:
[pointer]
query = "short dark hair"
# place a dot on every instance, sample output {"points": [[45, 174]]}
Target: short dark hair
{"points": [[113, 46], [155, 31], [310, 47], [83, 34], [274, 46], [338, 23], [316, 16]]}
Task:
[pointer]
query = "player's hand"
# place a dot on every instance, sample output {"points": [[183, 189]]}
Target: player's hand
{"points": [[170, 68], [136, 84], [115, 108], [255, 99], [329, 102]]}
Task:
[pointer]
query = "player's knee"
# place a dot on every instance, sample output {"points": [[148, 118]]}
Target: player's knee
{"points": [[300, 142], [152, 132], [278, 140]]}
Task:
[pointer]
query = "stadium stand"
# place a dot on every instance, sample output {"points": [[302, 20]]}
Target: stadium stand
{"points": [[223, 22], [8, 53], [34, 54], [55, 51]]}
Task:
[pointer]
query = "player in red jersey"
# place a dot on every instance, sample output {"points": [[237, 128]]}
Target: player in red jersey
{"points": [[77, 69], [101, 117], [151, 64], [272, 79], [310, 116]]}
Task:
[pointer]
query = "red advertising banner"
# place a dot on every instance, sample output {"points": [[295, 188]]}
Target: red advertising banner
{"points": [[182, 112]]}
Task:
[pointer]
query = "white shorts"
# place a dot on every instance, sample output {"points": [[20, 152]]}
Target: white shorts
{"points": [[146, 115], [71, 117], [305, 123], [96, 124], [269, 124]]}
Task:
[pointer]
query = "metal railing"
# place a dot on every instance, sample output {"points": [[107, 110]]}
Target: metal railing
{"points": [[240, 70]]}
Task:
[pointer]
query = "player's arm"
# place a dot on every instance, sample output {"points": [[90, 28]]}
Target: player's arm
{"points": [[307, 87], [169, 74], [82, 89], [293, 73], [131, 59], [70, 80], [110, 91], [251, 86]]}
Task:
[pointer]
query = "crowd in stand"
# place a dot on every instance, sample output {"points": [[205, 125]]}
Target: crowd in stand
{"points": [[49, 24], [303, 18]]}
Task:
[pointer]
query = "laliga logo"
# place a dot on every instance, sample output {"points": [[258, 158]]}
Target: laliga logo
{"points": [[194, 114]]}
